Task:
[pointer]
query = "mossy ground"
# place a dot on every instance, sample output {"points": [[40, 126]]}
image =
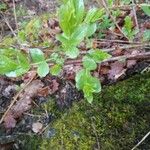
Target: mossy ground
{"points": [[116, 120]]}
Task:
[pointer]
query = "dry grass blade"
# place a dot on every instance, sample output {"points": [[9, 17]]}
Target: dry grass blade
{"points": [[112, 18], [141, 140]]}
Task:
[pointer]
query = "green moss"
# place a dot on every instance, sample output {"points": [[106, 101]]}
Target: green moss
{"points": [[135, 89], [7, 42], [117, 119]]}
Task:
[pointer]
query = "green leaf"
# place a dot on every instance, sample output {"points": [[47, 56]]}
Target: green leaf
{"points": [[9, 52], [6, 64], [89, 63], [67, 19], [79, 34], [80, 79], [72, 52], [128, 23], [146, 8], [22, 36], [93, 15], [91, 29], [88, 93], [95, 83], [98, 15], [90, 15], [55, 70], [3, 6], [79, 10], [147, 35], [22, 66], [13, 62], [87, 83], [43, 69], [98, 55], [126, 2], [63, 39], [37, 55], [57, 59]]}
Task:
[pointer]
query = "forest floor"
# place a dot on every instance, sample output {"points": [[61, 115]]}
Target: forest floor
{"points": [[49, 113]]}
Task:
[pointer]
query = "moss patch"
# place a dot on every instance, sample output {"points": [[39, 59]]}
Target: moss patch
{"points": [[117, 120]]}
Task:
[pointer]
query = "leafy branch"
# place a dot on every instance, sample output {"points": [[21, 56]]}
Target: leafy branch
{"points": [[77, 25]]}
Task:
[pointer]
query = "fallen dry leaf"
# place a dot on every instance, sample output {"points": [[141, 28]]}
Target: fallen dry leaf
{"points": [[54, 86], [131, 63], [70, 71], [43, 91], [28, 76], [104, 70], [118, 51], [23, 104], [117, 69]]}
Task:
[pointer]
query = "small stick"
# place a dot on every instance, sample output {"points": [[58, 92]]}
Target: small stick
{"points": [[15, 16], [125, 7], [141, 141], [128, 57], [133, 56], [112, 18], [10, 28], [121, 47], [43, 129], [119, 41], [135, 15]]}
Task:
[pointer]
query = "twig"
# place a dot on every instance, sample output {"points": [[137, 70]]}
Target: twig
{"points": [[43, 129], [141, 141], [15, 99], [135, 15], [10, 27], [129, 57], [120, 41], [125, 7], [135, 56], [126, 57], [15, 16], [121, 47], [112, 18], [135, 44]]}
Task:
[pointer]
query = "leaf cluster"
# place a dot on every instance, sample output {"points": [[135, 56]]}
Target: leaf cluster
{"points": [[128, 29], [77, 25]]}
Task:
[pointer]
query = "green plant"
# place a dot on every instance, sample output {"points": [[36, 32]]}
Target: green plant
{"points": [[84, 80], [128, 29], [76, 25], [146, 8], [146, 35], [13, 62], [3, 6]]}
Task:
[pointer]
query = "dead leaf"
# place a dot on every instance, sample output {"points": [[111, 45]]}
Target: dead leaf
{"points": [[23, 104], [118, 51], [116, 70], [70, 71], [131, 63], [28, 76], [104, 70], [54, 86], [44, 91]]}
